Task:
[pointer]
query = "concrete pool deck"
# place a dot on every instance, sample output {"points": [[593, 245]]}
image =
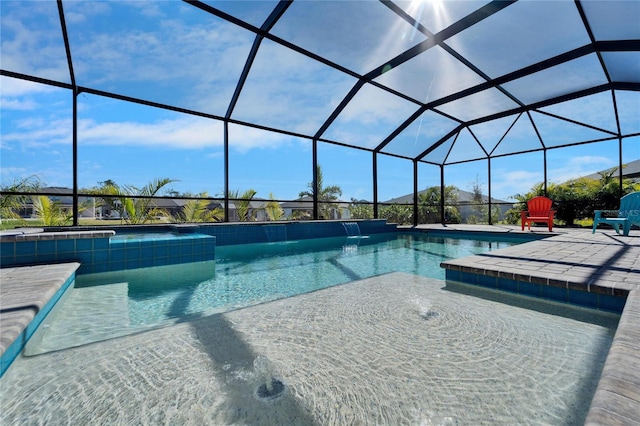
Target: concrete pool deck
{"points": [[602, 262]]}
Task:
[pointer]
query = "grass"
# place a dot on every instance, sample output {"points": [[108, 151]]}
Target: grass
{"points": [[584, 223]]}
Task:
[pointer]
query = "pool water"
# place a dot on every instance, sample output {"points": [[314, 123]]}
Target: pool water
{"points": [[193, 344], [112, 304], [125, 236], [393, 349]]}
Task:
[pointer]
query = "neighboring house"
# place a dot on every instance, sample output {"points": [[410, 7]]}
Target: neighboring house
{"points": [[256, 210], [630, 170], [302, 208], [173, 206], [64, 197], [97, 208], [466, 205]]}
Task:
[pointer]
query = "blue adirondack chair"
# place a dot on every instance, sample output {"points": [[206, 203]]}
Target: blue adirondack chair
{"points": [[627, 215]]}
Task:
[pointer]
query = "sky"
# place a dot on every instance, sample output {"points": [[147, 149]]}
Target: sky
{"points": [[174, 54]]}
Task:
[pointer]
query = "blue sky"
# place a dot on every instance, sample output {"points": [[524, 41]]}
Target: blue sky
{"points": [[172, 53]]}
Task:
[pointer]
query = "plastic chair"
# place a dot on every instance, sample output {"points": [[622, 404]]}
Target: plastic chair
{"points": [[538, 210], [627, 215]]}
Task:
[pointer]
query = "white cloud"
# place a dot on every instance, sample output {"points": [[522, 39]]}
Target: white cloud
{"points": [[193, 64], [37, 133], [369, 118], [243, 139], [8, 173], [576, 167], [506, 185], [372, 105], [17, 104], [148, 9], [357, 35], [77, 12], [523, 175], [12, 87], [588, 161], [184, 133], [289, 91], [596, 110], [172, 50], [32, 40]]}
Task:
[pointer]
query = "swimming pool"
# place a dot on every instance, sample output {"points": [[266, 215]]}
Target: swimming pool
{"points": [[112, 304], [396, 345]]}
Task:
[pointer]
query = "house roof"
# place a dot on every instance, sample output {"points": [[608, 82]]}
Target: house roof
{"points": [[463, 197], [630, 170], [305, 202]]}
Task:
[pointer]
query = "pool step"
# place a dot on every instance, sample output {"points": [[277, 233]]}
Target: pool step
{"points": [[27, 295]]}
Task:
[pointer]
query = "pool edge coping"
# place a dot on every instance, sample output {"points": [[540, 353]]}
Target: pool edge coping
{"points": [[617, 396]]}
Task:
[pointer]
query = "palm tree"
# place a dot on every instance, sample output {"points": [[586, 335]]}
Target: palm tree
{"points": [[50, 212], [111, 190], [198, 211], [243, 203], [273, 209], [133, 203], [10, 204], [327, 196]]}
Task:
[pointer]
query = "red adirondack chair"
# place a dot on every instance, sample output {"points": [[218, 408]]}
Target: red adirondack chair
{"points": [[539, 210]]}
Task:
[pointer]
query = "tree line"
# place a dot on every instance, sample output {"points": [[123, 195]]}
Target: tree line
{"points": [[134, 205], [573, 200]]}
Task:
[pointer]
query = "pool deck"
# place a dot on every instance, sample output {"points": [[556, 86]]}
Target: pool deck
{"points": [[603, 262]]}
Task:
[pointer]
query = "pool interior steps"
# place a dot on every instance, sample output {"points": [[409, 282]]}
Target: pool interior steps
{"points": [[27, 295], [592, 270], [597, 265]]}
